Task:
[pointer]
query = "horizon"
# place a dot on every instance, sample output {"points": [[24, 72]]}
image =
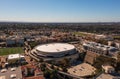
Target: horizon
{"points": [[64, 11], [57, 22]]}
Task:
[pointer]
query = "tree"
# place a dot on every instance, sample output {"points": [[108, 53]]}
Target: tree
{"points": [[65, 69], [65, 62], [47, 73], [113, 44], [41, 60], [43, 66], [52, 66], [51, 74], [54, 74]]}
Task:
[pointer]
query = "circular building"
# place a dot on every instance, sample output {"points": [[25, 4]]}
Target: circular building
{"points": [[53, 51]]}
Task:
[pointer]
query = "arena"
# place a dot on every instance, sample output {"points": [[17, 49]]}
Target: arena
{"points": [[54, 51]]}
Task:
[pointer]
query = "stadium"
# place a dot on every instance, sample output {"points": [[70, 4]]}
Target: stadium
{"points": [[54, 51]]}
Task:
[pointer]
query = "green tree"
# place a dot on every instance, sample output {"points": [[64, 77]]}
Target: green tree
{"points": [[65, 62], [43, 66]]}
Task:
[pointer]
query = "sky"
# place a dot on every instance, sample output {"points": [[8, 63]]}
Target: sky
{"points": [[60, 10]]}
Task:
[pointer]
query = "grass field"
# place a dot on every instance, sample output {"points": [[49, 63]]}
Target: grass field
{"points": [[13, 50], [80, 33], [116, 37]]}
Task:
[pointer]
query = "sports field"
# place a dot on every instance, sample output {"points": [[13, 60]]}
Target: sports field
{"points": [[12, 50]]}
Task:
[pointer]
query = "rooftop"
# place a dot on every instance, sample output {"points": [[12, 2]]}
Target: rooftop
{"points": [[55, 47], [98, 45], [13, 56], [81, 70], [107, 76]]}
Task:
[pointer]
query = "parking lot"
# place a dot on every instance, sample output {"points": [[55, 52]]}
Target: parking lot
{"points": [[11, 71]]}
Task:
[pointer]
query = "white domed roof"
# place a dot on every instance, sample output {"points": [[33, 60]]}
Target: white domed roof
{"points": [[55, 47]]}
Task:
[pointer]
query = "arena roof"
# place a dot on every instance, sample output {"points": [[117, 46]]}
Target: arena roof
{"points": [[55, 47]]}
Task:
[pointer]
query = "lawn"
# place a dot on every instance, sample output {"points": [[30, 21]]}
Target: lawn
{"points": [[116, 37], [12, 50], [80, 33]]}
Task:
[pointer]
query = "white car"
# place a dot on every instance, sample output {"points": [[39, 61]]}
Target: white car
{"points": [[3, 70], [13, 76], [13, 69]]}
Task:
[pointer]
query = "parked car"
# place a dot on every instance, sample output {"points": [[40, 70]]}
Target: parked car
{"points": [[3, 70], [13, 76], [13, 69]]}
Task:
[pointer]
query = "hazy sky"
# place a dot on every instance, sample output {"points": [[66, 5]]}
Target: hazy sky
{"points": [[60, 10]]}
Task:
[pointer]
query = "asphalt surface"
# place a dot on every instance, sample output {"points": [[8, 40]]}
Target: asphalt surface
{"points": [[8, 73]]}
